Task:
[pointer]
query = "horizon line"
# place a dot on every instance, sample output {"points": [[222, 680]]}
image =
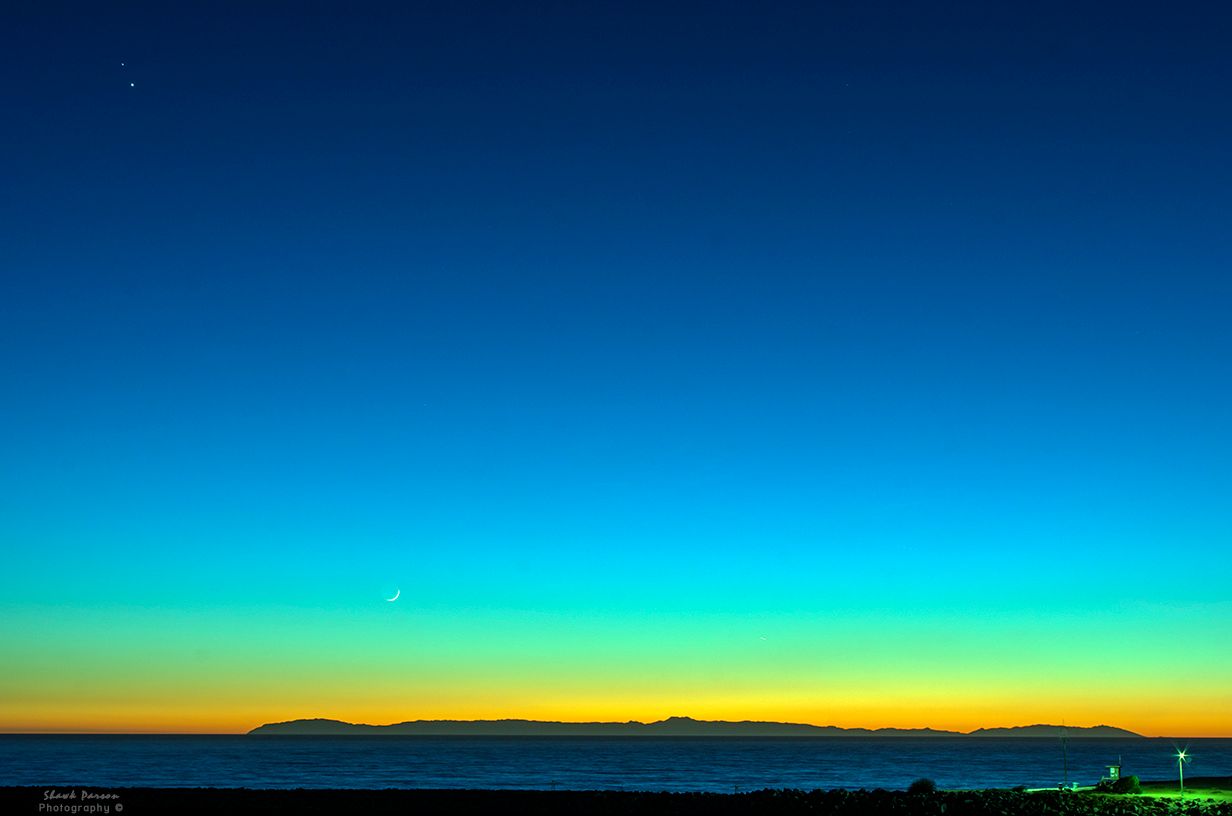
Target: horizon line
{"points": [[66, 733]]}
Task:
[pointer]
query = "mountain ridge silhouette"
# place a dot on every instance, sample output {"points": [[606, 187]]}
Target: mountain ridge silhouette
{"points": [[670, 727]]}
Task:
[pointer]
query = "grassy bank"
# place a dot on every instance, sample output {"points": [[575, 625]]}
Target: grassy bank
{"points": [[231, 801], [1218, 789]]}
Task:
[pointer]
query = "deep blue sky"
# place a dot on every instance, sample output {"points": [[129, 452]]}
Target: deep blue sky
{"points": [[556, 302]]}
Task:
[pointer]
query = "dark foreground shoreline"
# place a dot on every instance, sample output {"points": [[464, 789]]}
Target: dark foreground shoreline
{"points": [[230, 801]]}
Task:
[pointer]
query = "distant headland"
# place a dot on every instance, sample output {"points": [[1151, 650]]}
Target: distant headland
{"points": [[671, 727]]}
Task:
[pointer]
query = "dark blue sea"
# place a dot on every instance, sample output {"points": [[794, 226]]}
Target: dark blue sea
{"points": [[582, 763]]}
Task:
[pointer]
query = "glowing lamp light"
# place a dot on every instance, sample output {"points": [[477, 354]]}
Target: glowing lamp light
{"points": [[1181, 758]]}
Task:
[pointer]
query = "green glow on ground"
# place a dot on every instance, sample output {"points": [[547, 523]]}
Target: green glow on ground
{"points": [[1219, 789]]}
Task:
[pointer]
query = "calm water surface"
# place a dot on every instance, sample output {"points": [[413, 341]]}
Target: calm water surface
{"points": [[671, 764]]}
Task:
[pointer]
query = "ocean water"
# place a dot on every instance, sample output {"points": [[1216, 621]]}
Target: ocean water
{"points": [[583, 763]]}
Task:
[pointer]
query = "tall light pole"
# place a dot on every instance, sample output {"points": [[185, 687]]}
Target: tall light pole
{"points": [[1181, 759], [1064, 758]]}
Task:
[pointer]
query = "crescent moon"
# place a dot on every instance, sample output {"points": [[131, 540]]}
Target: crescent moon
{"points": [[395, 597]]}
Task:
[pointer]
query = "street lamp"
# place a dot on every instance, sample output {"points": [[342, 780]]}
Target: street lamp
{"points": [[1181, 759]]}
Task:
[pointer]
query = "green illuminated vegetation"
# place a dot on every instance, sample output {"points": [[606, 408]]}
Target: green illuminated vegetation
{"points": [[1218, 789], [1125, 784], [1198, 788]]}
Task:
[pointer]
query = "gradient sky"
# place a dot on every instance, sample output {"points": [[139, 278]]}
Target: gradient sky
{"points": [[835, 363]]}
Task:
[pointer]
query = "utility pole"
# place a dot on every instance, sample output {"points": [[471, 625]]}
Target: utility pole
{"points": [[1064, 756]]}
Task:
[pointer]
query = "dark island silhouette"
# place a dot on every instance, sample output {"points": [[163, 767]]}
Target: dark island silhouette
{"points": [[671, 727]]}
